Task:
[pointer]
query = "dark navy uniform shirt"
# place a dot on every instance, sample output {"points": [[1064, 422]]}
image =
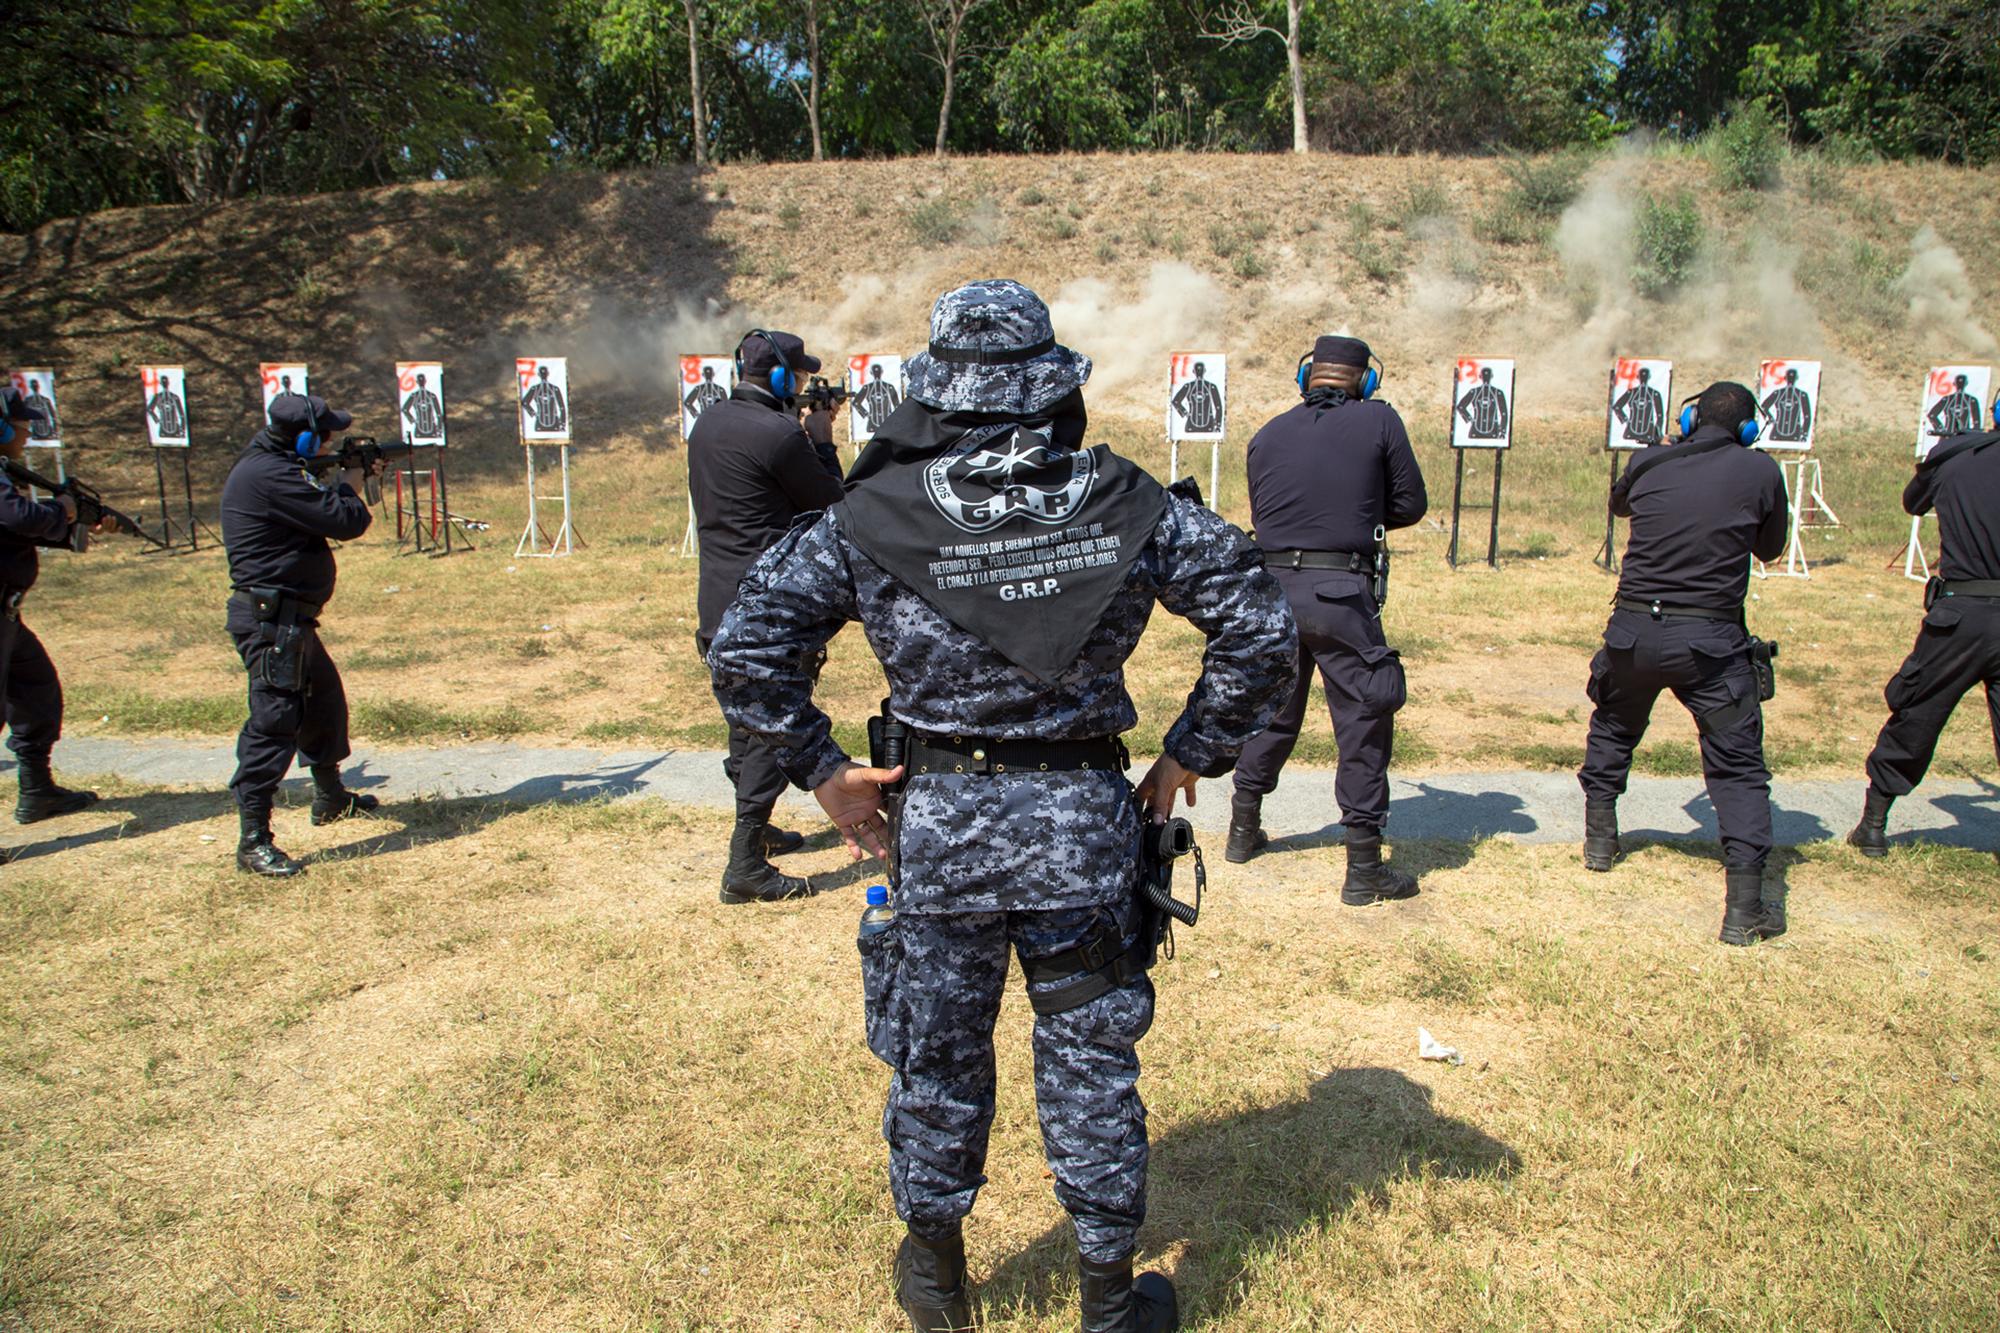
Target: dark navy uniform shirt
{"points": [[752, 471], [1322, 478], [1697, 520], [1965, 492], [277, 519], [24, 525]]}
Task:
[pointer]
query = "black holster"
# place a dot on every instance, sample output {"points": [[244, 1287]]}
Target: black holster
{"points": [[888, 744], [1762, 653], [285, 624]]}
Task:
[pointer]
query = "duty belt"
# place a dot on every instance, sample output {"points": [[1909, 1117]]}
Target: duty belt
{"points": [[1354, 562], [972, 754], [1969, 588], [1658, 610], [276, 606]]}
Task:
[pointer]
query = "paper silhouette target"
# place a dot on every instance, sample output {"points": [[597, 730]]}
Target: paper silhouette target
{"points": [[164, 391], [705, 381], [37, 385], [1955, 403], [281, 377], [1482, 410], [420, 401], [1636, 415], [1197, 389], [1787, 404], [874, 389], [543, 387]]}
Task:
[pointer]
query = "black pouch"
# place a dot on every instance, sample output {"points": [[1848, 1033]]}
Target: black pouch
{"points": [[881, 958], [1933, 589], [888, 743], [1762, 653], [283, 664]]}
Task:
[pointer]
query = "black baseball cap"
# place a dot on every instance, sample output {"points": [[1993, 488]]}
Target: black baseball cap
{"points": [[18, 409], [760, 359], [1333, 350], [296, 412]]}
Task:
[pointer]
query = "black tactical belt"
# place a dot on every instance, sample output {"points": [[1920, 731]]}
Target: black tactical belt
{"points": [[1098, 966], [1658, 611], [274, 605], [1354, 562], [972, 754], [1969, 588]]}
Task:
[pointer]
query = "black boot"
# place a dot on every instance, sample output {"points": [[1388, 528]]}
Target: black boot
{"points": [[256, 853], [332, 801], [1246, 833], [930, 1282], [41, 798], [1113, 1302], [778, 841], [750, 878], [1746, 917], [1871, 835], [1368, 880], [1600, 834]]}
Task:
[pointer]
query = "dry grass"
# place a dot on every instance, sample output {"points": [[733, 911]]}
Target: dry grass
{"points": [[490, 1068]]}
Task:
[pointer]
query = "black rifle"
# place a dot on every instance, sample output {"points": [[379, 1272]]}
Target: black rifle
{"points": [[822, 396], [1160, 845], [90, 507], [366, 453]]}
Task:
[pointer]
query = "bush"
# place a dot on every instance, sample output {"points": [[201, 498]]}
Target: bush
{"points": [[1248, 266], [1222, 240], [1031, 195], [1745, 149], [1667, 242], [790, 215], [1506, 223], [1544, 186], [935, 222], [1424, 200]]}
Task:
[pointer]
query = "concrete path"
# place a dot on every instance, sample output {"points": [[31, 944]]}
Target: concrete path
{"points": [[1532, 807]]}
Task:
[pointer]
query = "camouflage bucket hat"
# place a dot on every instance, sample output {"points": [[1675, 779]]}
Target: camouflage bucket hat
{"points": [[993, 349]]}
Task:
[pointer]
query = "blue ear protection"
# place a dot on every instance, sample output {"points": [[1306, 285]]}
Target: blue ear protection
{"points": [[1746, 434], [1370, 381], [784, 381], [6, 432], [308, 441]]}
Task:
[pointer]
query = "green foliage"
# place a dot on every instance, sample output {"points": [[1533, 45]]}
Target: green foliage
{"points": [[790, 215], [1420, 202], [1744, 151], [935, 222], [1247, 265], [1667, 240], [1546, 185]]}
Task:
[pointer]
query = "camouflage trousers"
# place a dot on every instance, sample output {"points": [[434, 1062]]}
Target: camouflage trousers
{"points": [[933, 984]]}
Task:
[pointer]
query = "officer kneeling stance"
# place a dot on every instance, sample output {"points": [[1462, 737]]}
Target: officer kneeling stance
{"points": [[1328, 480], [30, 690], [276, 519], [1003, 573], [1959, 644], [1700, 508]]}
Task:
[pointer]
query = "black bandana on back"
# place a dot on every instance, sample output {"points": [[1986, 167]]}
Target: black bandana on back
{"points": [[1008, 530]]}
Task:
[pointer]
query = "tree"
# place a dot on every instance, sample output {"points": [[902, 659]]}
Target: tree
{"points": [[945, 21], [699, 110], [1245, 21]]}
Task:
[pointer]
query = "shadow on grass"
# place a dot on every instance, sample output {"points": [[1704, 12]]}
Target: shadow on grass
{"points": [[1438, 828], [1237, 1187]]}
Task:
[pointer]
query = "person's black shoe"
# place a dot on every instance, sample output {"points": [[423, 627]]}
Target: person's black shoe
{"points": [[750, 878], [1246, 831], [332, 806], [42, 799], [1115, 1302], [1871, 835], [930, 1283], [1746, 917], [1600, 835], [1368, 880], [779, 842], [264, 858]]}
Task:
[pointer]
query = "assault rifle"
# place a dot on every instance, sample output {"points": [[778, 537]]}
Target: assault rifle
{"points": [[366, 453], [90, 507], [822, 396]]}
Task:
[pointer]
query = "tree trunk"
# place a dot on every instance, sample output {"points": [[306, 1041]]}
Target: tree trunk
{"points": [[700, 111], [950, 63], [812, 62], [1294, 59]]}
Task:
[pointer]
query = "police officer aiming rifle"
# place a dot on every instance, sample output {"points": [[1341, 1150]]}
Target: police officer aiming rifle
{"points": [[277, 517], [1700, 508], [1958, 645], [1003, 573], [1329, 479], [29, 686]]}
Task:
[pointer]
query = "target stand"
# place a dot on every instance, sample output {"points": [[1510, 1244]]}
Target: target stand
{"points": [[1805, 498], [691, 540], [175, 531], [1458, 505], [1916, 564], [424, 520], [535, 541]]}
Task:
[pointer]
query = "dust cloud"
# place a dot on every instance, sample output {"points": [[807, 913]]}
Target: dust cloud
{"points": [[1176, 308], [1941, 299]]}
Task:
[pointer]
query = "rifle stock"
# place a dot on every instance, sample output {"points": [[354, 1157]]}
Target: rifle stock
{"points": [[90, 507]]}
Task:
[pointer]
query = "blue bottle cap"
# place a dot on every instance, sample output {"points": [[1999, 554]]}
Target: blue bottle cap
{"points": [[878, 895]]}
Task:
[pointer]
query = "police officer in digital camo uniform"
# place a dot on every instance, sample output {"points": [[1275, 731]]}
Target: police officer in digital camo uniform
{"points": [[752, 470], [1003, 573], [276, 519], [1328, 480], [29, 686], [1700, 508], [1959, 644]]}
